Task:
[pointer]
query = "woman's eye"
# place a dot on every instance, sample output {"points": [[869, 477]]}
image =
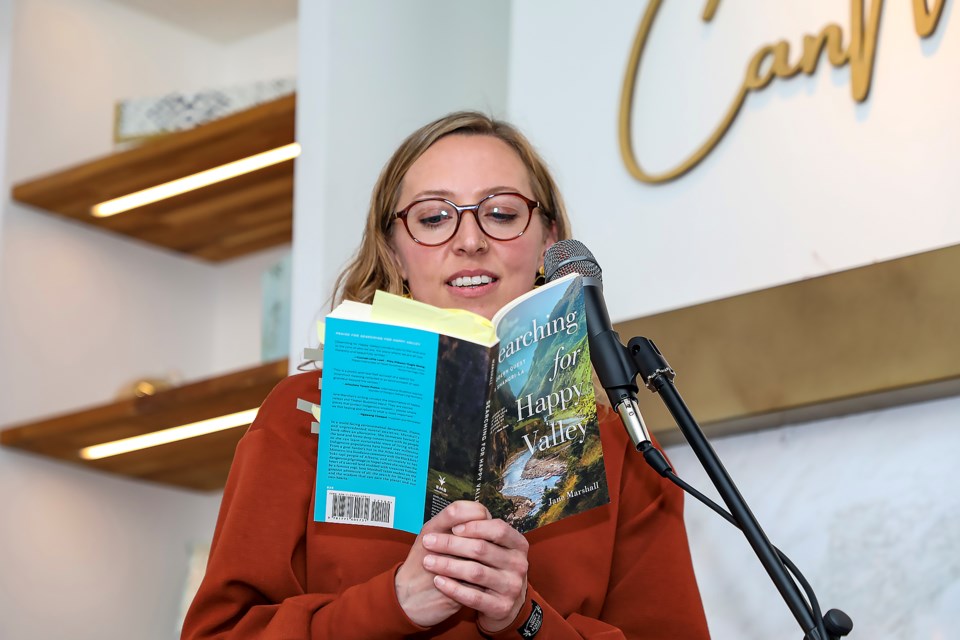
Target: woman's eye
{"points": [[501, 215], [432, 216]]}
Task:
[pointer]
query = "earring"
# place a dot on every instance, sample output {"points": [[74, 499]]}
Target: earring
{"points": [[540, 279], [405, 290]]}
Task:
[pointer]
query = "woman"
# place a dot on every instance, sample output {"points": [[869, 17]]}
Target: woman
{"points": [[618, 571]]}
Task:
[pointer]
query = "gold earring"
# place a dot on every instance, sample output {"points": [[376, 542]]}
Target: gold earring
{"points": [[541, 279], [405, 290]]}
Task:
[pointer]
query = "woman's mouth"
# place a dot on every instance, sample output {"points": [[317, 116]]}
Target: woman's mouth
{"points": [[470, 281]]}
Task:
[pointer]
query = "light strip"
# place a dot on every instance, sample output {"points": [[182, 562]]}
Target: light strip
{"points": [[166, 436], [196, 181]]}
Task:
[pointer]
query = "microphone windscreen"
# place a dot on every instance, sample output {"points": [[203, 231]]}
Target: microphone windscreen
{"points": [[570, 256]]}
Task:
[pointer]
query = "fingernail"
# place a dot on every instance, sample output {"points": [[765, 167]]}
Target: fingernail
{"points": [[437, 580], [429, 540], [429, 561], [458, 529]]}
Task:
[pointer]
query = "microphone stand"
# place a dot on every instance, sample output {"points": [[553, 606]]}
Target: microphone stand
{"points": [[658, 377]]}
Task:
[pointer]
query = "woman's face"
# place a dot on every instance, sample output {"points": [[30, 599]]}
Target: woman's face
{"points": [[464, 169]]}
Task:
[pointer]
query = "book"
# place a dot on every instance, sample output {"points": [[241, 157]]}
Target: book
{"points": [[423, 406]]}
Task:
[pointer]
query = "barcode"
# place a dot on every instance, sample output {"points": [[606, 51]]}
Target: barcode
{"points": [[360, 508]]}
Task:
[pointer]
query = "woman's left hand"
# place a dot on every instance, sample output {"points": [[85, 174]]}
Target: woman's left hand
{"points": [[481, 565]]}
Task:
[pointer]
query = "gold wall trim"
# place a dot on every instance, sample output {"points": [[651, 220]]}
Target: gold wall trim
{"points": [[871, 337]]}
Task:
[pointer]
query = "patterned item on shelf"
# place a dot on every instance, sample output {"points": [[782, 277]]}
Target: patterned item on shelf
{"points": [[140, 118]]}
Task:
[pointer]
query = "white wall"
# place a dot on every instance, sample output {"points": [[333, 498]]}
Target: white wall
{"points": [[90, 556], [264, 56], [372, 72], [806, 182], [863, 504], [6, 46], [83, 312]]}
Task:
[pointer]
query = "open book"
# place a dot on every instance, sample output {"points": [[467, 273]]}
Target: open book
{"points": [[423, 406]]}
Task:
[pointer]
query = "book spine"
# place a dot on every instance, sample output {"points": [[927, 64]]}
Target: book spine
{"points": [[482, 455]]}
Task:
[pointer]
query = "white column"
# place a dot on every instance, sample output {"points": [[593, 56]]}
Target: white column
{"points": [[372, 71]]}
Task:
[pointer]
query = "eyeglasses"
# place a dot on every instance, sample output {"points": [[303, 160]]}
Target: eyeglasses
{"points": [[501, 216]]}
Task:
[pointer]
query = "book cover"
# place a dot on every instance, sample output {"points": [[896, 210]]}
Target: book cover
{"points": [[545, 459], [421, 407]]}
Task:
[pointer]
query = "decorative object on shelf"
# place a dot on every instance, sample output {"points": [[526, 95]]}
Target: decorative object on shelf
{"points": [[224, 220], [149, 386], [276, 286], [140, 118]]}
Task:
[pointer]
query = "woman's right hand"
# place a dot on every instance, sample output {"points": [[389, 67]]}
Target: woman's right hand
{"points": [[419, 597]]}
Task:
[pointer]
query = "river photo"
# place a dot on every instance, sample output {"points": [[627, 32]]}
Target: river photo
{"points": [[520, 482]]}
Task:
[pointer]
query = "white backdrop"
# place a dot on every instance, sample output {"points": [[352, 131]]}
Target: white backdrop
{"points": [[806, 182]]}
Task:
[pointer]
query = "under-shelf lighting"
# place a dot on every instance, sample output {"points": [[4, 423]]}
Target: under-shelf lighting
{"points": [[196, 181], [166, 436]]}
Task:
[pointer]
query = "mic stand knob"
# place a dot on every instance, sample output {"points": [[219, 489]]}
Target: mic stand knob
{"points": [[837, 623]]}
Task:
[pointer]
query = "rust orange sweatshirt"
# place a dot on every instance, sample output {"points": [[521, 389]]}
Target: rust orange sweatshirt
{"points": [[618, 571]]}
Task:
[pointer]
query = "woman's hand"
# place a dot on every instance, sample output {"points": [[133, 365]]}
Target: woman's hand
{"points": [[481, 564], [419, 596]]}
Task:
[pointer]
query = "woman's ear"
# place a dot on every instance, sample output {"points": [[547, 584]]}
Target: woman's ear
{"points": [[549, 238]]}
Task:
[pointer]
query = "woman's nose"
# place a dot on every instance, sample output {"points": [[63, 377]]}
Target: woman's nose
{"points": [[469, 237]]}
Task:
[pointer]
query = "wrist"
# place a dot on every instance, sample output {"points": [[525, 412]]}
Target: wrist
{"points": [[525, 624]]}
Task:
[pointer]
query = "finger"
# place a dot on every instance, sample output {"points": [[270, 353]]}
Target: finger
{"points": [[488, 603], [477, 549], [455, 513], [507, 582], [496, 531]]}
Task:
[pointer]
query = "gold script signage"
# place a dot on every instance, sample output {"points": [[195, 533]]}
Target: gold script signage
{"points": [[773, 61]]}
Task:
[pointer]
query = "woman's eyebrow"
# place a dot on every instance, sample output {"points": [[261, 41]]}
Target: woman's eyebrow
{"points": [[442, 193], [445, 193]]}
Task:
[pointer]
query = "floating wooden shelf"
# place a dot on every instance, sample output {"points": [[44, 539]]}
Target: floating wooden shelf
{"points": [[198, 463], [225, 220]]}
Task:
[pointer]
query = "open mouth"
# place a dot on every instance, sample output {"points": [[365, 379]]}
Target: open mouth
{"points": [[471, 281]]}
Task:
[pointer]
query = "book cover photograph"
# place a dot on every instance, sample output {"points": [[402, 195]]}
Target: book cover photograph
{"points": [[423, 406], [545, 460]]}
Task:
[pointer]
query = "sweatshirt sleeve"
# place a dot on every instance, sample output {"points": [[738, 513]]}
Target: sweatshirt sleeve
{"points": [[255, 585], [652, 592]]}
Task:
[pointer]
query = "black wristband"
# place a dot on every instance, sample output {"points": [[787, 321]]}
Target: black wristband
{"points": [[528, 629], [531, 627]]}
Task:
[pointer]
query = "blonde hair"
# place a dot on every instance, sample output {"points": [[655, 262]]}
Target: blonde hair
{"points": [[374, 266]]}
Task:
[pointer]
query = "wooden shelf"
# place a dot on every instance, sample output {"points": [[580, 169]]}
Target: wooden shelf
{"points": [[198, 463], [226, 220]]}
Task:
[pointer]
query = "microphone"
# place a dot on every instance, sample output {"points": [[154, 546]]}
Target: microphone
{"points": [[609, 357]]}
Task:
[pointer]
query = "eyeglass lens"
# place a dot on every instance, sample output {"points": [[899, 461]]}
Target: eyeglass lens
{"points": [[502, 217]]}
